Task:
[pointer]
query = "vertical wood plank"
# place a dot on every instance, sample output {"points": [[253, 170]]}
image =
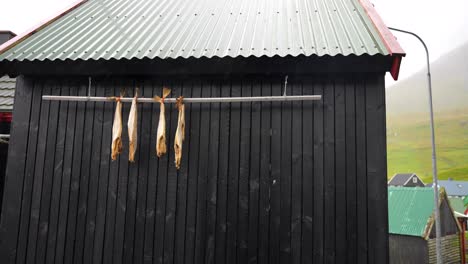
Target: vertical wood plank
{"points": [[329, 172], [233, 177], [15, 176], [285, 182], [57, 177], [308, 175], [213, 158], [340, 171], [144, 151], [38, 178], [265, 175], [66, 177], [254, 178], [376, 169], [275, 171], [351, 179], [193, 129], [296, 173], [244, 173], [45, 201], [84, 179], [361, 171], [123, 186], [109, 232], [319, 176], [96, 146], [203, 162], [103, 182], [22, 246], [172, 179], [132, 189], [76, 173], [182, 183], [221, 201]]}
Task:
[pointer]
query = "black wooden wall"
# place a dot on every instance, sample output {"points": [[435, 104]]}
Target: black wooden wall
{"points": [[408, 249], [263, 182]]}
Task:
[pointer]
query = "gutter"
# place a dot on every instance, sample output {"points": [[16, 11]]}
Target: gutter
{"points": [[18, 39], [392, 45]]}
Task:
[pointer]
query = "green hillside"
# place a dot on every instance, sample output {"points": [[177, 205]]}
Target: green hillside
{"points": [[409, 145], [408, 141]]}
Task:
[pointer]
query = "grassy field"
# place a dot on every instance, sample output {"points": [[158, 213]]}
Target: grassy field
{"points": [[409, 145]]}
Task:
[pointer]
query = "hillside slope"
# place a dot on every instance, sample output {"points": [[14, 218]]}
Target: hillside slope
{"points": [[409, 145], [449, 81], [408, 132]]}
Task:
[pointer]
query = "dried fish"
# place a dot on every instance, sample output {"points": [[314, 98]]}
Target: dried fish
{"points": [[161, 148], [117, 130], [132, 128], [180, 132]]}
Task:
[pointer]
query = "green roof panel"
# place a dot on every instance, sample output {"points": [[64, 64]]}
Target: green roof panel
{"points": [[457, 204], [130, 29], [409, 209]]}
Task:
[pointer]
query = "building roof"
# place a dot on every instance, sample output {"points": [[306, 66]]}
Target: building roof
{"points": [[7, 93], [409, 210], [457, 204], [115, 30], [401, 178], [455, 188]]}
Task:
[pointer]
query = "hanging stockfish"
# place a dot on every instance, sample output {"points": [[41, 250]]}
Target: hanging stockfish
{"points": [[161, 136], [180, 132], [117, 129], [132, 128]]}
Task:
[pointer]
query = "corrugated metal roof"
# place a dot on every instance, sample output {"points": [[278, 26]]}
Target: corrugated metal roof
{"points": [[7, 93], [130, 29], [455, 188], [457, 204], [409, 209]]}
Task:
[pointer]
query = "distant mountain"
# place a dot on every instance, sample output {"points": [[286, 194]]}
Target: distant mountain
{"points": [[449, 84], [408, 133]]}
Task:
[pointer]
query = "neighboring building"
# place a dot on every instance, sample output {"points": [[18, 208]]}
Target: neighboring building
{"points": [[406, 180], [459, 208], [458, 205], [7, 94], [455, 188], [6, 35], [263, 182], [411, 227]]}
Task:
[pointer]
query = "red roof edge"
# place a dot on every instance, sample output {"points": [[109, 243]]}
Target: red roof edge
{"points": [[16, 40], [392, 45]]}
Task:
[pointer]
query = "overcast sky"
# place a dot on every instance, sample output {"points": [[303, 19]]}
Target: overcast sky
{"points": [[443, 25]]}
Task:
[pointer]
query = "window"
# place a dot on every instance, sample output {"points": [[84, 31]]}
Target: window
{"points": [[415, 180]]}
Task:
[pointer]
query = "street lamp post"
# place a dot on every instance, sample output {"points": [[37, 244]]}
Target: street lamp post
{"points": [[434, 161]]}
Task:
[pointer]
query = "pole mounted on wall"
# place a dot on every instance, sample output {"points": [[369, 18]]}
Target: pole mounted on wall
{"points": [[282, 98], [434, 161]]}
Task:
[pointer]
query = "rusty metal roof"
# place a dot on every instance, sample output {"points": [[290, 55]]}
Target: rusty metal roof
{"points": [[130, 29]]}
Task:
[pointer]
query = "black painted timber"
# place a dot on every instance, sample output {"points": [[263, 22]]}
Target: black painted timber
{"points": [[262, 182]]}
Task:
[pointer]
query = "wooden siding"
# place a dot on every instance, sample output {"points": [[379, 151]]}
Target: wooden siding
{"points": [[451, 252], [264, 182], [407, 250], [448, 223]]}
